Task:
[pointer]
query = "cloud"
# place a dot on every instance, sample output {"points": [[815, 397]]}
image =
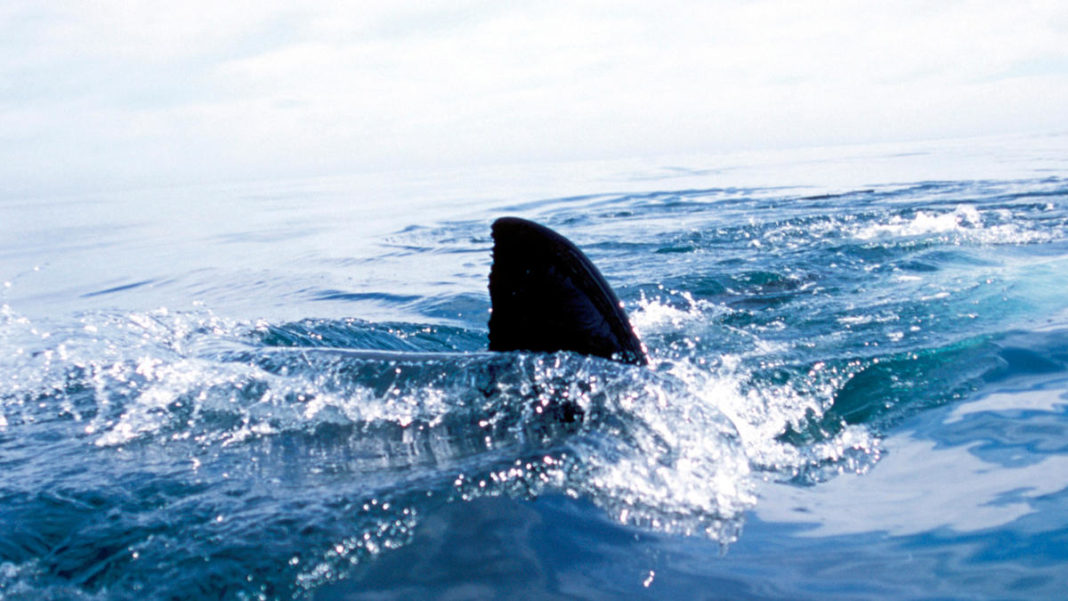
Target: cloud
{"points": [[125, 93]]}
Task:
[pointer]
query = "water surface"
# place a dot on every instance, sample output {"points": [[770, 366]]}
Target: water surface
{"points": [[857, 390]]}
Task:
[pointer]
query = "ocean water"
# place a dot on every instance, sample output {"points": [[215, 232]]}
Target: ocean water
{"points": [[858, 385]]}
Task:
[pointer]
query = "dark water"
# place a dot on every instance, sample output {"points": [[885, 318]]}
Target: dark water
{"points": [[858, 388]]}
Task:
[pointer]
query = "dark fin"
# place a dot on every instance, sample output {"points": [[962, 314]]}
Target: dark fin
{"points": [[547, 296]]}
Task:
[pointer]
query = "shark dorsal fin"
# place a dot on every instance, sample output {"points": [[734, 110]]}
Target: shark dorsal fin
{"points": [[547, 296]]}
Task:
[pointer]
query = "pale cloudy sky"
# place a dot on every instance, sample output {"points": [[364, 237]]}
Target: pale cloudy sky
{"points": [[107, 94]]}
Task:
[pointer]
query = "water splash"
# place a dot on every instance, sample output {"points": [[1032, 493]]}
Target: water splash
{"points": [[226, 424]]}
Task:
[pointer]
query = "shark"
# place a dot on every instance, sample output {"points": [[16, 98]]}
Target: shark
{"points": [[547, 296]]}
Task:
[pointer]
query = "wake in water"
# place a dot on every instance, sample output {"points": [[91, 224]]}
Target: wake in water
{"points": [[326, 445], [184, 453]]}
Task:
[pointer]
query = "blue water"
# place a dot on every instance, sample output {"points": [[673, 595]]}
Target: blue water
{"points": [[858, 385]]}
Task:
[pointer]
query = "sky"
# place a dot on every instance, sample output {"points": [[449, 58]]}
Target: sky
{"points": [[103, 94]]}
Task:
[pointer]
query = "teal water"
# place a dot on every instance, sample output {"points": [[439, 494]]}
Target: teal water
{"points": [[858, 385]]}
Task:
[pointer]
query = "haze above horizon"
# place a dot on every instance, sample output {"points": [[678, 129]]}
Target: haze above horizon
{"points": [[119, 94]]}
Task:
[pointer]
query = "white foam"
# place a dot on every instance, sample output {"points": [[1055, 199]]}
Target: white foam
{"points": [[654, 315], [965, 223]]}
